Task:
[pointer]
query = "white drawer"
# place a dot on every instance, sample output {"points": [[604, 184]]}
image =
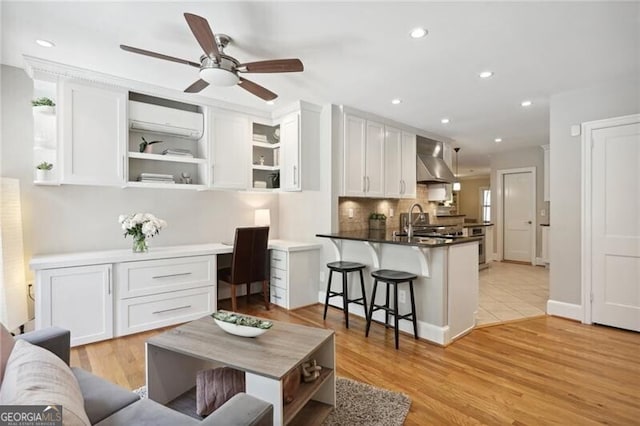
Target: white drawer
{"points": [[279, 278], [279, 259], [279, 296], [149, 277], [149, 312]]}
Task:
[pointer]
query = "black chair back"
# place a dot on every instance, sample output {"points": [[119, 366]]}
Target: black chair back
{"points": [[249, 261]]}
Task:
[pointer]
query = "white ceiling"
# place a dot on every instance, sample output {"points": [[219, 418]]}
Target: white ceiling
{"points": [[360, 54]]}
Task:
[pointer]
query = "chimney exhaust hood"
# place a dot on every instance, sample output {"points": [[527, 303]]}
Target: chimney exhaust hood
{"points": [[430, 167]]}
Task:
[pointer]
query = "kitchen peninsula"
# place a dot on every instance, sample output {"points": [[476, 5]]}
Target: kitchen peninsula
{"points": [[447, 285]]}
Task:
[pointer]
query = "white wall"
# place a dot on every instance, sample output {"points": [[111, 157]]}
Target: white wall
{"points": [[566, 109], [526, 157], [76, 218]]}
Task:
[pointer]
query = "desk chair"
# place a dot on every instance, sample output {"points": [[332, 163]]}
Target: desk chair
{"points": [[248, 263]]}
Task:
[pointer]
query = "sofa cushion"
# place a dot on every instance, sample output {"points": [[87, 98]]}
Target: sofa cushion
{"points": [[146, 412], [101, 398], [35, 376], [6, 345]]}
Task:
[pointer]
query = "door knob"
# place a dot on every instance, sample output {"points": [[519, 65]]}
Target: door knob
{"points": [[529, 222]]}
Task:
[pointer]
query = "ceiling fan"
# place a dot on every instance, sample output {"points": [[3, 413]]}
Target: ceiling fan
{"points": [[219, 69]]}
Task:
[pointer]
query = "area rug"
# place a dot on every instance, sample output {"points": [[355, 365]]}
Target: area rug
{"points": [[360, 404]]}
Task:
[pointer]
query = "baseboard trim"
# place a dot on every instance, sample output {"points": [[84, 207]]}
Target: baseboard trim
{"points": [[427, 331], [565, 310]]}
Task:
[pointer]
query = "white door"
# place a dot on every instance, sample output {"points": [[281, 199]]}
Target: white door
{"points": [[230, 151], [374, 159], [290, 146], [393, 163], [353, 173], [94, 134], [78, 299], [615, 226], [518, 189]]}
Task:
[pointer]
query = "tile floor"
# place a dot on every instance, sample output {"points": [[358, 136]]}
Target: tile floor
{"points": [[510, 291]]}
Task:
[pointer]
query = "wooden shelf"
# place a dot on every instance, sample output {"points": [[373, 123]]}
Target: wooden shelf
{"points": [[268, 168], [312, 414], [304, 394], [170, 158], [266, 144]]}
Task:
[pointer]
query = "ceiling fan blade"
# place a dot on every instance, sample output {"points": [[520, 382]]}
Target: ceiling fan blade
{"points": [[158, 55], [197, 86], [256, 89], [202, 31], [275, 65]]}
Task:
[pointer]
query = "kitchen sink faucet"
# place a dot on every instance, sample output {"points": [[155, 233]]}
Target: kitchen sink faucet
{"points": [[410, 222]]}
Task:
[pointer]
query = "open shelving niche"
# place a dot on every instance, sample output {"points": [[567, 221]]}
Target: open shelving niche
{"points": [[156, 162], [265, 156], [45, 131]]}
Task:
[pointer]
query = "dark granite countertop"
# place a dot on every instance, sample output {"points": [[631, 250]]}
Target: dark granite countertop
{"points": [[477, 225], [388, 237], [450, 215]]}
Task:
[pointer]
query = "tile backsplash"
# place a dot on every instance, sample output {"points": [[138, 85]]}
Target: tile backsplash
{"points": [[361, 208]]}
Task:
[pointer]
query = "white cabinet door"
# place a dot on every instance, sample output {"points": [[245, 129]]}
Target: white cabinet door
{"points": [[408, 165], [290, 151], [354, 156], [374, 159], [94, 134], [79, 299], [230, 151], [393, 163]]}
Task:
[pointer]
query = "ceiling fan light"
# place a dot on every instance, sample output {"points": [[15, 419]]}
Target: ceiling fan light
{"points": [[219, 77]]}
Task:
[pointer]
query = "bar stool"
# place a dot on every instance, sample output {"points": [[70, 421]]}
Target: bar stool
{"points": [[344, 268], [394, 278]]}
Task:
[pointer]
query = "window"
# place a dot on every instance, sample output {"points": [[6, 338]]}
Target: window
{"points": [[485, 204]]}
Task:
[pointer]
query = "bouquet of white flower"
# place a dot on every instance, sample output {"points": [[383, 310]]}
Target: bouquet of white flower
{"points": [[141, 226]]}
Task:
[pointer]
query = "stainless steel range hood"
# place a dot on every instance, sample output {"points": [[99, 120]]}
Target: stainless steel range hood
{"points": [[430, 167]]}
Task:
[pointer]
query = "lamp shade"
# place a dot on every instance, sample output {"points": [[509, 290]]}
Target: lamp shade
{"points": [[13, 286], [262, 217], [457, 186]]}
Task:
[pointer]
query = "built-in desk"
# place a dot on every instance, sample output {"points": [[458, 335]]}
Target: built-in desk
{"points": [[101, 294]]}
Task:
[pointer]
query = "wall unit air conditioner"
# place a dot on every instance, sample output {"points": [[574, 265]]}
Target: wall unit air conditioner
{"points": [[144, 117]]}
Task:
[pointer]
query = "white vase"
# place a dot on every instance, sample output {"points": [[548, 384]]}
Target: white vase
{"points": [[44, 109], [43, 175]]}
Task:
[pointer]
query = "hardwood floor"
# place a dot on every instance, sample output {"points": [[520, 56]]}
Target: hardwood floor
{"points": [[537, 371]]}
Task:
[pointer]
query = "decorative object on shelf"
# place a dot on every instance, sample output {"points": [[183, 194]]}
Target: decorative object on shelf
{"points": [[276, 157], [456, 185], [276, 134], [260, 138], [146, 146], [43, 171], [186, 178], [262, 160], [290, 385], [262, 217], [274, 178], [240, 325], [310, 371], [141, 226], [178, 152], [377, 221], [156, 178], [259, 184], [43, 105]]}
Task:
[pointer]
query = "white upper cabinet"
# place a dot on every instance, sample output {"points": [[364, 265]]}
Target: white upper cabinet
{"points": [[374, 160], [354, 156], [94, 134], [290, 146], [393, 163], [229, 135], [400, 163]]}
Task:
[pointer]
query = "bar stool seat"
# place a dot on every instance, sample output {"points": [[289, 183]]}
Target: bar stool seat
{"points": [[393, 278], [344, 267]]}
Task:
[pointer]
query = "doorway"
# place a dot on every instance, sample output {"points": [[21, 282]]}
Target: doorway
{"points": [[516, 215], [611, 228]]}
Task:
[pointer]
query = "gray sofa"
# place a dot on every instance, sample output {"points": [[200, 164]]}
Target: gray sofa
{"points": [[107, 404]]}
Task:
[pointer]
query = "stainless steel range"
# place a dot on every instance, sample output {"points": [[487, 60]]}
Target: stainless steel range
{"points": [[422, 227]]}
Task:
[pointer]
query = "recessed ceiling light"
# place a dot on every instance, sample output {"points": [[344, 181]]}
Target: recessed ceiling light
{"points": [[445, 121], [396, 101], [497, 140], [271, 103], [418, 32], [526, 103], [45, 43], [486, 74]]}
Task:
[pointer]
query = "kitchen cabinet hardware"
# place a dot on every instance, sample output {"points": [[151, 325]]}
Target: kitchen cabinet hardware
{"points": [[171, 309], [181, 274]]}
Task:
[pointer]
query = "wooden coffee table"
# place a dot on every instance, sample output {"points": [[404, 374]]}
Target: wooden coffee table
{"points": [[175, 357]]}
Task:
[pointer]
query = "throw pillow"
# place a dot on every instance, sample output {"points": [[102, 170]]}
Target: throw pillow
{"points": [[6, 345], [217, 386], [35, 376]]}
